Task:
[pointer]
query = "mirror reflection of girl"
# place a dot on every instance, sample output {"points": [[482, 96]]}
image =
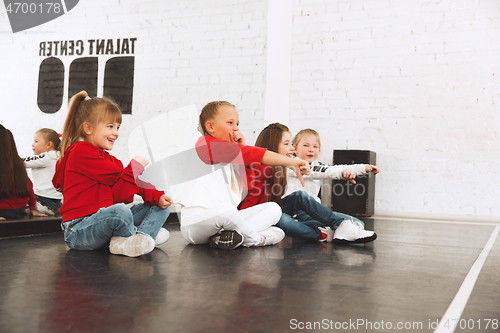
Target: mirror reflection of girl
{"points": [[43, 166]]}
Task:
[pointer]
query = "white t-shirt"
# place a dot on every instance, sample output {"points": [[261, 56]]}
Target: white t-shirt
{"points": [[43, 167]]}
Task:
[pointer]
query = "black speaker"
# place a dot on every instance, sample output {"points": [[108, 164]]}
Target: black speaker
{"points": [[354, 199]]}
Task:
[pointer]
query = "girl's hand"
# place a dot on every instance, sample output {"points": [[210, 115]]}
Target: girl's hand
{"points": [[164, 202], [238, 137], [142, 160], [300, 167], [349, 175], [305, 169], [36, 213], [372, 168], [2, 218]]}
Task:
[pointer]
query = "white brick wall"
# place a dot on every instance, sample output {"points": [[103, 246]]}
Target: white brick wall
{"points": [[187, 52], [415, 81]]}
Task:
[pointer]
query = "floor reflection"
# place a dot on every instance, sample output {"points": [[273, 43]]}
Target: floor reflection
{"points": [[405, 275]]}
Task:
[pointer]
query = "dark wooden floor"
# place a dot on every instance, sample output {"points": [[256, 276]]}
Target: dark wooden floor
{"points": [[403, 282]]}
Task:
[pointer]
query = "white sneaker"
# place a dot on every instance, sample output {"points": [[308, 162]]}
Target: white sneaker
{"points": [[41, 208], [349, 232], [133, 246], [358, 224], [272, 235], [162, 237], [327, 234]]}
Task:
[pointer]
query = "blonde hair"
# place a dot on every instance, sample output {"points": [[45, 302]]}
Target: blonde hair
{"points": [[209, 112], [50, 135], [303, 132], [83, 109]]}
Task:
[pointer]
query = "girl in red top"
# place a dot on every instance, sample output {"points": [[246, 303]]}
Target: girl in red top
{"points": [[95, 186], [16, 189]]}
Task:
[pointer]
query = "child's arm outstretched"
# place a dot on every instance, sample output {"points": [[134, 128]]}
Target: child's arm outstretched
{"points": [[298, 166], [38, 161], [347, 172], [129, 184], [350, 175], [164, 201]]}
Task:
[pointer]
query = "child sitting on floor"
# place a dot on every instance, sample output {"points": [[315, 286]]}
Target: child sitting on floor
{"points": [[316, 218], [16, 189], [96, 186], [43, 166]]}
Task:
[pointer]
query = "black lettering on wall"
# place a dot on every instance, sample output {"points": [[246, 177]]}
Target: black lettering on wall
{"points": [[83, 76], [119, 82], [50, 85]]}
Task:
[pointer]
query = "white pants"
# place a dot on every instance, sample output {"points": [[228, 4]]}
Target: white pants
{"points": [[249, 222]]}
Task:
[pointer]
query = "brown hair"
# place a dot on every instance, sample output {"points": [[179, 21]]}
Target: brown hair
{"points": [[209, 112], [13, 177], [270, 138], [50, 135], [303, 132], [86, 110]]}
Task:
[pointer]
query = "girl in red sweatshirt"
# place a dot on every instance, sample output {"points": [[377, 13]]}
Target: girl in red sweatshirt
{"points": [[95, 186]]}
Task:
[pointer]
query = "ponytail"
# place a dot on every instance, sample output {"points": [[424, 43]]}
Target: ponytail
{"points": [[71, 130]]}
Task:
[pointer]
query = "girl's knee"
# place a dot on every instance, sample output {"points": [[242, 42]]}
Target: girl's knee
{"points": [[303, 196], [165, 211], [274, 210], [119, 209], [120, 213]]}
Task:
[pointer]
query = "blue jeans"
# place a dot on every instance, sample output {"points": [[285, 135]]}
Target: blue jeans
{"points": [[54, 204], [310, 214], [10, 214], [94, 231]]}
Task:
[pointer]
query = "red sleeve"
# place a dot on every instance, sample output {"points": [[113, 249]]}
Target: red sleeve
{"points": [[32, 199], [96, 164], [213, 151], [130, 184]]}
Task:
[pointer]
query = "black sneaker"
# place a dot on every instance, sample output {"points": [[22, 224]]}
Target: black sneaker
{"points": [[226, 240]]}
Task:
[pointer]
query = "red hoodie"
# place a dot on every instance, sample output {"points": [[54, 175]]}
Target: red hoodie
{"points": [[16, 202], [90, 178]]}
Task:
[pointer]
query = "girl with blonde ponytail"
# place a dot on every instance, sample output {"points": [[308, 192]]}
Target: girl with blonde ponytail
{"points": [[43, 166], [96, 186]]}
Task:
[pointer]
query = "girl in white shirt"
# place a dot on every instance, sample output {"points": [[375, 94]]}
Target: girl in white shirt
{"points": [[46, 152], [307, 146]]}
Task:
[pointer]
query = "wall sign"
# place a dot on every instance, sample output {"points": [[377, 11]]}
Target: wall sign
{"points": [[83, 71]]}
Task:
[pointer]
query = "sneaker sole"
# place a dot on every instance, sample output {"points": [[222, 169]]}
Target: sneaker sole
{"points": [[132, 246], [356, 241], [228, 240]]}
